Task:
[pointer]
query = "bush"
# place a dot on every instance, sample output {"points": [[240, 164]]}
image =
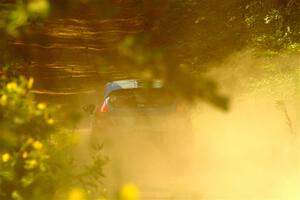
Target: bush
{"points": [[36, 160]]}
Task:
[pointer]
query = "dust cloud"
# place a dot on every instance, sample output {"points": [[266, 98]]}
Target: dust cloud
{"points": [[250, 152]]}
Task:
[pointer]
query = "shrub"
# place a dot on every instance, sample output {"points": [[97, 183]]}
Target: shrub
{"points": [[36, 160]]}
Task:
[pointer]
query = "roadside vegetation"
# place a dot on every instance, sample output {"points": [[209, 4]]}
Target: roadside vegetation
{"points": [[178, 41], [36, 148]]}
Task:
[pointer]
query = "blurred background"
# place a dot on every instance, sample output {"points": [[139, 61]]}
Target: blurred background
{"points": [[236, 64]]}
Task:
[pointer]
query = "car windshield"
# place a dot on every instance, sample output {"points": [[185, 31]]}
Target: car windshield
{"points": [[140, 98]]}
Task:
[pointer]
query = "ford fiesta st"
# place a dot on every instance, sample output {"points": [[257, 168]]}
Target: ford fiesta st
{"points": [[137, 106]]}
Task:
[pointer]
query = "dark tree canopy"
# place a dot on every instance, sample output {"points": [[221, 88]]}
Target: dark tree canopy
{"points": [[85, 41]]}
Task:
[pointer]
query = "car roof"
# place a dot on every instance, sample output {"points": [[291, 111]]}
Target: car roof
{"points": [[131, 84]]}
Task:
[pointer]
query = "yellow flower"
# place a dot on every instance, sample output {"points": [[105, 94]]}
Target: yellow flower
{"points": [[3, 100], [37, 145], [101, 198], [30, 164], [41, 106], [129, 192], [76, 194], [30, 83], [25, 155], [39, 7], [5, 157], [50, 121], [16, 195], [12, 86]]}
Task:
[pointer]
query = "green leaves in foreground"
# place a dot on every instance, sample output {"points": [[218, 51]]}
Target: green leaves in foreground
{"points": [[20, 14], [36, 160]]}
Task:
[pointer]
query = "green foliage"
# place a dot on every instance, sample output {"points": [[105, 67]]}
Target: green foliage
{"points": [[151, 63], [272, 26], [19, 15], [36, 143], [36, 158]]}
